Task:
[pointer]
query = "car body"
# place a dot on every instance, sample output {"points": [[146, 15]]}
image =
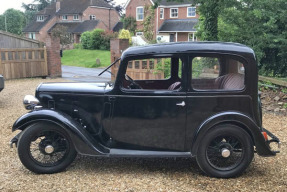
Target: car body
{"points": [[205, 105]]}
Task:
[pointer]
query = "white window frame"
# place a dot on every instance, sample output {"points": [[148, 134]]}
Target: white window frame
{"points": [[191, 11], [137, 13], [194, 38], [76, 17], [171, 12], [32, 35], [161, 15], [64, 17], [92, 17], [40, 17]]}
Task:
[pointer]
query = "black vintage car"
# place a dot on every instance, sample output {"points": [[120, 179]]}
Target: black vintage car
{"points": [[200, 100]]}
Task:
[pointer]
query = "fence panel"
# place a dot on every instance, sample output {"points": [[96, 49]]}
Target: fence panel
{"points": [[22, 63]]}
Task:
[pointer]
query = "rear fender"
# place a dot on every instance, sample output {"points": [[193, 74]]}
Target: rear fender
{"points": [[82, 141], [238, 119]]}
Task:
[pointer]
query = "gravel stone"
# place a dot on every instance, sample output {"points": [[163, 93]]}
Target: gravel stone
{"points": [[129, 174]]}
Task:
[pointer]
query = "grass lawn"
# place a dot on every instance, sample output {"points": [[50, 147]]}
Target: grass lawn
{"points": [[86, 58]]}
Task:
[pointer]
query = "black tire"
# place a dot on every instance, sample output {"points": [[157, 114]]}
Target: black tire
{"points": [[225, 140], [46, 148]]}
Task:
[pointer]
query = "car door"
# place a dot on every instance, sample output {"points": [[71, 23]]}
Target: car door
{"points": [[149, 119]]}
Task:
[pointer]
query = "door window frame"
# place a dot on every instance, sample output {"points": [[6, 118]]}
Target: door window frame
{"points": [[124, 65], [217, 91]]}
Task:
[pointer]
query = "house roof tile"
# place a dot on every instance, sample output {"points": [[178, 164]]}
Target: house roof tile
{"points": [[77, 27], [79, 6], [178, 25], [174, 2]]}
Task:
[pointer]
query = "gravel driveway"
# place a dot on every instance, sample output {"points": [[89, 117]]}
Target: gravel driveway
{"points": [[126, 174]]}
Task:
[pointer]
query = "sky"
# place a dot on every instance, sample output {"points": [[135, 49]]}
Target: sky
{"points": [[16, 4]]}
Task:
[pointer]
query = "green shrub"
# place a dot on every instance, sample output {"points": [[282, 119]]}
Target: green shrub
{"points": [[78, 46], [125, 34], [86, 40], [97, 39]]}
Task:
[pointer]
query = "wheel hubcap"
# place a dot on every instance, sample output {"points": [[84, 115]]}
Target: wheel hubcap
{"points": [[225, 152], [49, 149]]}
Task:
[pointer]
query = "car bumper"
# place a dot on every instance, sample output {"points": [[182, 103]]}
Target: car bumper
{"points": [[273, 139]]}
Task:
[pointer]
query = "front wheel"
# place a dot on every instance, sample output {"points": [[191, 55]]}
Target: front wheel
{"points": [[226, 151], [46, 148]]}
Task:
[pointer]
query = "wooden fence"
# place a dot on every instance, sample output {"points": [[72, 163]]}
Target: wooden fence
{"points": [[142, 69], [22, 63]]}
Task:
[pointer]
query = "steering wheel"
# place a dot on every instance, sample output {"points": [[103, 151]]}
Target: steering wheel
{"points": [[133, 84]]}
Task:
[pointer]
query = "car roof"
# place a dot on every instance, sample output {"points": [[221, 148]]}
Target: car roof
{"points": [[189, 47]]}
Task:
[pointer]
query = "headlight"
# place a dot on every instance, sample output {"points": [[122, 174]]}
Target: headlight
{"points": [[30, 102]]}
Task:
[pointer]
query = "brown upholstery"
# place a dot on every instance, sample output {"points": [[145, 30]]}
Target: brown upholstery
{"points": [[174, 86], [231, 81]]}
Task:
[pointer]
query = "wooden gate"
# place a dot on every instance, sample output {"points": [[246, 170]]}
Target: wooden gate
{"points": [[142, 69], [22, 63]]}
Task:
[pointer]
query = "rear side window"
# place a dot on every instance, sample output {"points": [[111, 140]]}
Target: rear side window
{"points": [[217, 73]]}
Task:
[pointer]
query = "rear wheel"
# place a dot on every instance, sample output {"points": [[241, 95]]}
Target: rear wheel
{"points": [[226, 151], [46, 148]]}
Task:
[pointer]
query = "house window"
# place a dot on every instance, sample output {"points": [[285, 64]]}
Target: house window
{"points": [[40, 17], [191, 11], [140, 13], [173, 12], [192, 37], [76, 17], [139, 33], [64, 17], [92, 17], [32, 35], [161, 13]]}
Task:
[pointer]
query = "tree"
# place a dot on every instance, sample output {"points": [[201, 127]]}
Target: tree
{"points": [[12, 20], [32, 8], [261, 25], [37, 5], [62, 33], [130, 24]]}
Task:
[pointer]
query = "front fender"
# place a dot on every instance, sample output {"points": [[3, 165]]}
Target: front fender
{"points": [[82, 141], [236, 118]]}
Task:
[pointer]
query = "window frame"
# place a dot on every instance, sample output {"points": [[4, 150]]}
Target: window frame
{"points": [[170, 11], [125, 62], [194, 38], [241, 59], [161, 15], [137, 13], [93, 17], [32, 35], [191, 11], [76, 17], [64, 17], [40, 18]]}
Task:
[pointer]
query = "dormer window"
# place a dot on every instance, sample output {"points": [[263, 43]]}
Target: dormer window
{"points": [[76, 17], [191, 11], [140, 13], [173, 12], [40, 17], [92, 17], [64, 17]]}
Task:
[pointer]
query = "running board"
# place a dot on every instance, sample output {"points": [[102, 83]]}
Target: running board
{"points": [[138, 153]]}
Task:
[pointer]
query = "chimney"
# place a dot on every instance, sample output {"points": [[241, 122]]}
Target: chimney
{"points": [[58, 5]]}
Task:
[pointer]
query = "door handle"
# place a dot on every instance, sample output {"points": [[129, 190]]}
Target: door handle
{"points": [[181, 104]]}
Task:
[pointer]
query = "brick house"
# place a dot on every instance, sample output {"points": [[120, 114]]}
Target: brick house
{"points": [[173, 21], [77, 15]]}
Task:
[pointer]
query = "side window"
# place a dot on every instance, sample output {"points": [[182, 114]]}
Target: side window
{"points": [[217, 73], [153, 73]]}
